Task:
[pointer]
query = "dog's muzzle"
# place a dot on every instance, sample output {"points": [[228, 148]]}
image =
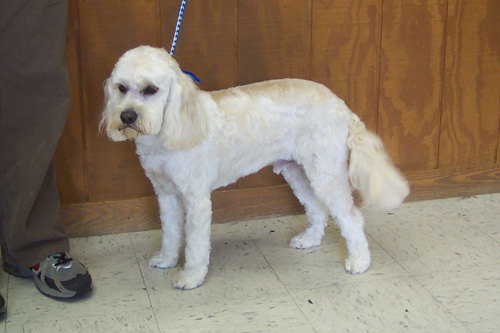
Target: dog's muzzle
{"points": [[128, 117]]}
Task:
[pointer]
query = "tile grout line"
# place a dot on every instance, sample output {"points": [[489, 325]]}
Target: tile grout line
{"points": [[414, 277], [144, 282], [281, 282], [479, 229], [387, 252], [448, 312], [411, 276]]}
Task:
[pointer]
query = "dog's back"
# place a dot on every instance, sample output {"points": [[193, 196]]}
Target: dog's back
{"points": [[281, 110]]}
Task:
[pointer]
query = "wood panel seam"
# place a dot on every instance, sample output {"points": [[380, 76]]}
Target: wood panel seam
{"points": [[443, 71], [379, 57], [85, 168]]}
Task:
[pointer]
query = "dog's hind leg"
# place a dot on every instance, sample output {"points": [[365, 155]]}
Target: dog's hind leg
{"points": [[330, 182], [172, 218], [317, 214]]}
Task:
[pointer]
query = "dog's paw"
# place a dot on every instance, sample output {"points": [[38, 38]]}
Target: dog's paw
{"points": [[357, 265], [161, 260], [188, 279], [305, 241]]}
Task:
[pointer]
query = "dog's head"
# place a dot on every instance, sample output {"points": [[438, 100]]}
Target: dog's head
{"points": [[148, 94]]}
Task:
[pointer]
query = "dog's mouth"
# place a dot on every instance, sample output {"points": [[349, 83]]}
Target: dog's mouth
{"points": [[132, 126], [130, 130]]}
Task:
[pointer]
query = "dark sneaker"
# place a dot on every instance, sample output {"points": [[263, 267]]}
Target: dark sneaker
{"points": [[58, 276], [17, 270], [3, 306]]}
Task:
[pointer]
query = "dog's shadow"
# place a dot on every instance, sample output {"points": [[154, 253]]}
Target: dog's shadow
{"points": [[270, 243]]}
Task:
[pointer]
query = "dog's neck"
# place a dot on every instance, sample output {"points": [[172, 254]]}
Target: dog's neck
{"points": [[149, 145]]}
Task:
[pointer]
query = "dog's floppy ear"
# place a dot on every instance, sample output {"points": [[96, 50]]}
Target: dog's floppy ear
{"points": [[185, 122], [107, 96], [107, 90]]}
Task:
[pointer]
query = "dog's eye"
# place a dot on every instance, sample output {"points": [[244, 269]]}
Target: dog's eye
{"points": [[150, 90], [122, 88]]}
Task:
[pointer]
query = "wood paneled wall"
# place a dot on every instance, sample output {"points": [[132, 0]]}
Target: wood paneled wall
{"points": [[423, 74]]}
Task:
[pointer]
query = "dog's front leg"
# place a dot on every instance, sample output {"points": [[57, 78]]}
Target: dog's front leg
{"points": [[172, 218], [198, 221]]}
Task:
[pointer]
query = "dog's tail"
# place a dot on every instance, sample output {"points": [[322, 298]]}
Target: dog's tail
{"points": [[371, 171]]}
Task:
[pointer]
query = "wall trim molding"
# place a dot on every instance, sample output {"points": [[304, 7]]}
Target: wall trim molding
{"points": [[101, 218]]}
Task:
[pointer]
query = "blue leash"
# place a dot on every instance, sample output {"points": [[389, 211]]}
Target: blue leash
{"points": [[177, 27], [176, 36]]}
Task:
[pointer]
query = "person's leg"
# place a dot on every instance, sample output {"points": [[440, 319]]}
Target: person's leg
{"points": [[34, 102], [28, 243]]}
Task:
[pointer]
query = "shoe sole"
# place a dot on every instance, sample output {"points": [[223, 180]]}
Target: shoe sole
{"points": [[56, 294], [24, 273]]}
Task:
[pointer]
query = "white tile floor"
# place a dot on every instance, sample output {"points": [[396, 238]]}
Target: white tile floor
{"points": [[435, 268]]}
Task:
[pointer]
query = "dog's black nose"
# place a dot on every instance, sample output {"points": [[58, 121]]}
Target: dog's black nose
{"points": [[128, 117]]}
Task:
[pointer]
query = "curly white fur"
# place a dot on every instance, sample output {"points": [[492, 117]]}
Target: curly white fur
{"points": [[191, 142]]}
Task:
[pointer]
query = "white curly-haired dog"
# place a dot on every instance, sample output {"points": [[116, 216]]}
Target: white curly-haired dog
{"points": [[191, 142]]}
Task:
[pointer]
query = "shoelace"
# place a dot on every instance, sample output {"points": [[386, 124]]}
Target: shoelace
{"points": [[61, 259]]}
